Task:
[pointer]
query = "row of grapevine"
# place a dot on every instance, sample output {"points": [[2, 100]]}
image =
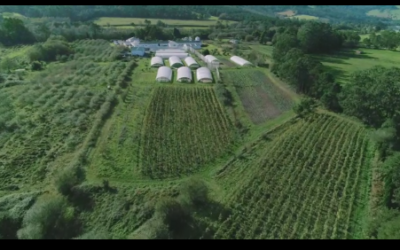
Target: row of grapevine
{"points": [[301, 187], [184, 129]]}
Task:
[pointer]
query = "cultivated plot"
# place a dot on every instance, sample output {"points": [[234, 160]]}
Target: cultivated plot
{"points": [[310, 181], [184, 129], [261, 99]]}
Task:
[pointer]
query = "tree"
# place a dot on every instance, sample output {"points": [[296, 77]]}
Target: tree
{"points": [[177, 33], [195, 191], [206, 52], [306, 106], [35, 65]]}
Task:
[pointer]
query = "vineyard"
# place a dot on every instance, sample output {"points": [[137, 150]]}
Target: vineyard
{"points": [[306, 182], [261, 99], [184, 129]]}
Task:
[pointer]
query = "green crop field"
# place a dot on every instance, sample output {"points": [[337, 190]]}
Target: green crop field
{"points": [[347, 62], [261, 99], [127, 21], [183, 130], [310, 180]]}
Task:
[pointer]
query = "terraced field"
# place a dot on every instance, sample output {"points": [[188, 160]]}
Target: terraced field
{"points": [[308, 181], [184, 129]]}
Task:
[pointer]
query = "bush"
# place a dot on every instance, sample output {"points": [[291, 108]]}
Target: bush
{"points": [[171, 213], [36, 65], [195, 192], [68, 178], [306, 106], [49, 218]]}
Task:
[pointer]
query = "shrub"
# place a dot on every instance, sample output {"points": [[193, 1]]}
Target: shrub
{"points": [[195, 191]]}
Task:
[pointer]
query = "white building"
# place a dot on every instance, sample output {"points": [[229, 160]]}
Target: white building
{"points": [[184, 74], [190, 62], [164, 74], [167, 53], [203, 74], [211, 58], [240, 61], [175, 62], [156, 62]]}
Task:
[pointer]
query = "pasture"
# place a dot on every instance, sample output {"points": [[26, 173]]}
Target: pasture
{"points": [[393, 14], [306, 179], [346, 62]]}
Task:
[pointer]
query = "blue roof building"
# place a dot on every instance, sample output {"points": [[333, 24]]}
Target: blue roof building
{"points": [[138, 51]]}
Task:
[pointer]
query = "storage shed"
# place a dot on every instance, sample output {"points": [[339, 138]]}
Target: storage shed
{"points": [[240, 61], [184, 74], [137, 51], [203, 74], [175, 62], [164, 74], [191, 63], [156, 62]]}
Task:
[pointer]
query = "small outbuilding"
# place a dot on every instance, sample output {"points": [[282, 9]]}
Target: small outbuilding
{"points": [[164, 74], [191, 63], [240, 61], [137, 51], [184, 74], [156, 62], [175, 62], [203, 74]]}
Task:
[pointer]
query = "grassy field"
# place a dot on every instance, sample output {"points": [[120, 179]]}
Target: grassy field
{"points": [[305, 17], [347, 62], [390, 14], [308, 179], [127, 21]]}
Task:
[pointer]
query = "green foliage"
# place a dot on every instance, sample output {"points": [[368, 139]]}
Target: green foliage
{"points": [[223, 94], [68, 178], [306, 106], [13, 32], [49, 51], [171, 213], [36, 65], [49, 218], [195, 192], [205, 52]]}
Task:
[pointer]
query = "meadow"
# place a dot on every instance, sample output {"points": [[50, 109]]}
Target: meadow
{"points": [[346, 62]]}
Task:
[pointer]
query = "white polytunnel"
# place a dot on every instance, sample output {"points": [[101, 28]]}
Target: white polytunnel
{"points": [[164, 74], [190, 62], [204, 75], [211, 58], [240, 61], [175, 62], [184, 74], [156, 62]]}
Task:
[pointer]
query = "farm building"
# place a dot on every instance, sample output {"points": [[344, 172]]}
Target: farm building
{"points": [[240, 61], [184, 74], [190, 62], [136, 51], [167, 53], [156, 62], [175, 62], [204, 75], [211, 58], [164, 74]]}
